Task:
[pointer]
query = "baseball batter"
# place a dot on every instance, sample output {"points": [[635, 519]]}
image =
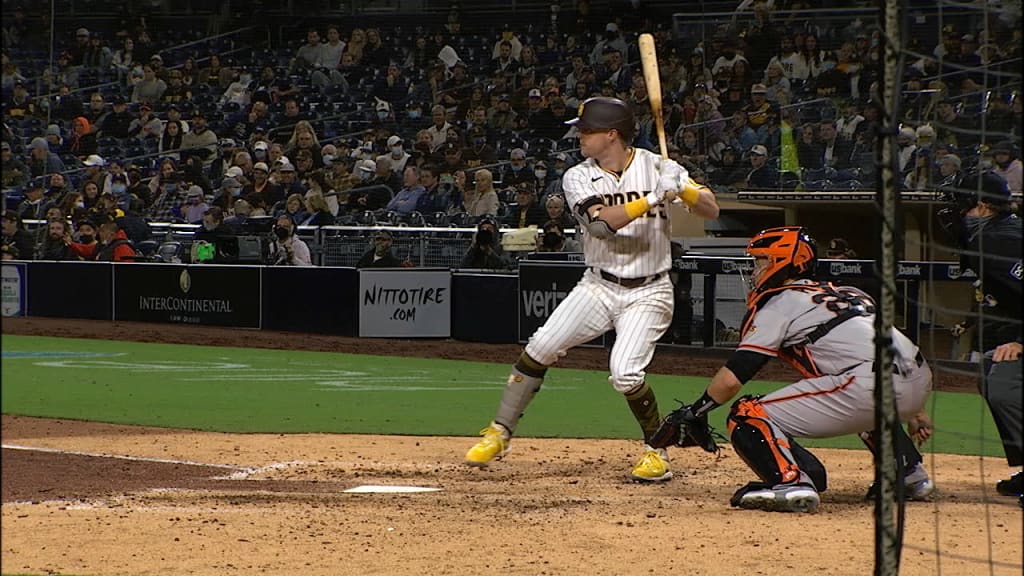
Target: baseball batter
{"points": [[827, 333], [618, 195]]}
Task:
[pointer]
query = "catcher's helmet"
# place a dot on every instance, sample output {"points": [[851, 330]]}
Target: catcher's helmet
{"points": [[601, 113], [791, 253]]}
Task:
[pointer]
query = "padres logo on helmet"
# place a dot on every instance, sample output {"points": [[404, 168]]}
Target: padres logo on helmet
{"points": [[601, 113]]}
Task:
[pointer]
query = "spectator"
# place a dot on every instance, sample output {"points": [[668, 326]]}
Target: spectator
{"points": [[528, 211], [113, 245], [729, 172], [763, 175], [436, 197], [1007, 166], [41, 160], [611, 41], [132, 222], [294, 208], [239, 214], [195, 205], [319, 214], [170, 141], [288, 249], [405, 202], [176, 92], [481, 199], [380, 256], [17, 242], [35, 204], [836, 151], [839, 249], [906, 140], [502, 116], [150, 89], [438, 129], [124, 58], [262, 190], [397, 156], [15, 173], [169, 196], [552, 239], [777, 87], [117, 123], [219, 234], [54, 245], [739, 134], [949, 171], [200, 140], [954, 129], [555, 208], [486, 252], [287, 182], [147, 125], [504, 62], [516, 170]]}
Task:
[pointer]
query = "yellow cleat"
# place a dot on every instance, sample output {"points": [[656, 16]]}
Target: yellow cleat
{"points": [[493, 446], [652, 467]]}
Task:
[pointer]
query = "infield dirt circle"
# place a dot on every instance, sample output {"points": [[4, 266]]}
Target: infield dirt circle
{"points": [[187, 502]]}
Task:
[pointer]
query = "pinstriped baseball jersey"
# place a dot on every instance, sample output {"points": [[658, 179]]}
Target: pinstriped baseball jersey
{"points": [[781, 328], [642, 247]]}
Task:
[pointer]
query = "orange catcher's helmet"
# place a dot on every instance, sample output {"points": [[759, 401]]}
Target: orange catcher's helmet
{"points": [[791, 253]]}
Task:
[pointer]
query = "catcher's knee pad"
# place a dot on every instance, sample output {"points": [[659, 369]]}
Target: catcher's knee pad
{"points": [[760, 443]]}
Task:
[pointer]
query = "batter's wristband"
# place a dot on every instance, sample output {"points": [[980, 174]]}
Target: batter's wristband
{"points": [[640, 206], [690, 192]]}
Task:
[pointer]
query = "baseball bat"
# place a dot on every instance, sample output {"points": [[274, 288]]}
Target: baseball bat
{"points": [[649, 61]]}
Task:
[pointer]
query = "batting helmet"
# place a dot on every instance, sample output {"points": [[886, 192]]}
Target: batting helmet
{"points": [[601, 113], [791, 253]]}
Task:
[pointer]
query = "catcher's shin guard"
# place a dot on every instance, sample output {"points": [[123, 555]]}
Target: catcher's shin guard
{"points": [[905, 448], [523, 384], [644, 406], [763, 446]]}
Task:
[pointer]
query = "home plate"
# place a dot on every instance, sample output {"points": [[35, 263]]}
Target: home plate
{"points": [[371, 489]]}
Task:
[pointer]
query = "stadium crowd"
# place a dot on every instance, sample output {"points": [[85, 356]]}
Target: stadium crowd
{"points": [[450, 126]]}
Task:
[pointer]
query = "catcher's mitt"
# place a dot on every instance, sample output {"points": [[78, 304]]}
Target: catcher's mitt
{"points": [[683, 428]]}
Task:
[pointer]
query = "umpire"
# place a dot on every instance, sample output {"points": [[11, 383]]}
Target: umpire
{"points": [[981, 220]]}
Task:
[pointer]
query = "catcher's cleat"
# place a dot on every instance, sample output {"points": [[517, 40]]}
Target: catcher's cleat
{"points": [[779, 498], [493, 446], [1014, 486], [652, 467], [917, 486]]}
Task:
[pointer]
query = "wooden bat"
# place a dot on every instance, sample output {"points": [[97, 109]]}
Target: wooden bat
{"points": [[649, 61]]}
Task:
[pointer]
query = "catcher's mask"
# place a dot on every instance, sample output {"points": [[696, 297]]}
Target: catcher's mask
{"points": [[790, 253]]}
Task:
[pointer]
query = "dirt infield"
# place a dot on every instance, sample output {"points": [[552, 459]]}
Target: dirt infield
{"points": [[98, 499]]}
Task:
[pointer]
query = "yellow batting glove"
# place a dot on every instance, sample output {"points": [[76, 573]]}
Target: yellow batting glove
{"points": [[691, 191]]}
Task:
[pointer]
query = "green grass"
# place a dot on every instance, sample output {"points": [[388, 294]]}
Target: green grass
{"points": [[255, 390]]}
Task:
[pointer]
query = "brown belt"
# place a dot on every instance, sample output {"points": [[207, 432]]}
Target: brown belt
{"points": [[627, 282]]}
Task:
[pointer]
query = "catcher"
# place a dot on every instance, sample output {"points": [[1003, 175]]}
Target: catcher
{"points": [[827, 333]]}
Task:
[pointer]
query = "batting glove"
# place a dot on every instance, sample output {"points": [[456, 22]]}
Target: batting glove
{"points": [[671, 179]]}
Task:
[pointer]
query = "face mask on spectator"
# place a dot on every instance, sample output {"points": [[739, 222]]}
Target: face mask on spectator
{"points": [[281, 232], [414, 114], [210, 227], [382, 115], [559, 172], [260, 154], [86, 238], [118, 187], [540, 174], [170, 188], [364, 175], [479, 141], [79, 204], [328, 159], [235, 192], [397, 151]]}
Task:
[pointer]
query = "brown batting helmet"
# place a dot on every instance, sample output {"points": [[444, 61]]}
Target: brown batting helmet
{"points": [[601, 113]]}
